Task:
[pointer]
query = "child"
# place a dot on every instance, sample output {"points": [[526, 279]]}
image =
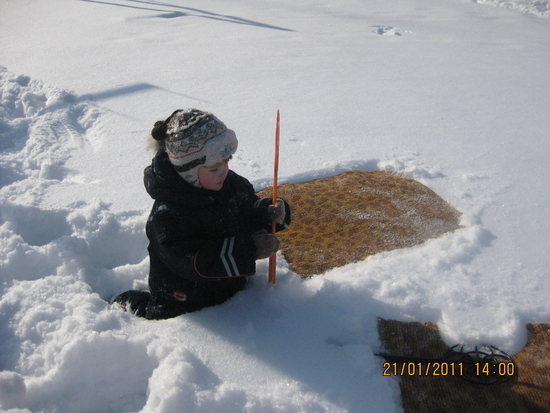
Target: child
{"points": [[207, 227]]}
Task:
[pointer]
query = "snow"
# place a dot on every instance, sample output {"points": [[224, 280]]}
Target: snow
{"points": [[452, 93]]}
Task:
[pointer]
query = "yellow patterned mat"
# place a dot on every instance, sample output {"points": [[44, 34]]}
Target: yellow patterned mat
{"points": [[348, 217]]}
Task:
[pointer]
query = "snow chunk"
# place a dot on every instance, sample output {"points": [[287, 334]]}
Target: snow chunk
{"points": [[541, 8]]}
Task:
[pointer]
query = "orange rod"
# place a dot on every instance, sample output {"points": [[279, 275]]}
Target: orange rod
{"points": [[272, 277]]}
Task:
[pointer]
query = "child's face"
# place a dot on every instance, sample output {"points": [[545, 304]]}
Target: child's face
{"points": [[213, 176]]}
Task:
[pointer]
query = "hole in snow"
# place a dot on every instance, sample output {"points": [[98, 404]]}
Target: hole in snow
{"points": [[36, 226]]}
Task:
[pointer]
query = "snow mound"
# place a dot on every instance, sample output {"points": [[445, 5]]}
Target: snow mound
{"points": [[541, 8], [40, 126]]}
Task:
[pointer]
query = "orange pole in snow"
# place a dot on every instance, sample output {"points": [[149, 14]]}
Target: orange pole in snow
{"points": [[272, 278]]}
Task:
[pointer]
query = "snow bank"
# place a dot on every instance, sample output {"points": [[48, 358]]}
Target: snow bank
{"points": [[41, 128], [68, 351], [537, 7]]}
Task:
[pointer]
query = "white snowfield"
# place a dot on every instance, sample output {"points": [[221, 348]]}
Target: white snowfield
{"points": [[454, 93]]}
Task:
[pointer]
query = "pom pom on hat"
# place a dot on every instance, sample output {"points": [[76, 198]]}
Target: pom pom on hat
{"points": [[159, 131], [194, 138]]}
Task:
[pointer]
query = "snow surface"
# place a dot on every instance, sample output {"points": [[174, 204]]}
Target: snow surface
{"points": [[452, 93]]}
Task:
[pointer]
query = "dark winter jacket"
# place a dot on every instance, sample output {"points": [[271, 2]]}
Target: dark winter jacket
{"points": [[200, 246]]}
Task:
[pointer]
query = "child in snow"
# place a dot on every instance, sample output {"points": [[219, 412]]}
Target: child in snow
{"points": [[207, 227]]}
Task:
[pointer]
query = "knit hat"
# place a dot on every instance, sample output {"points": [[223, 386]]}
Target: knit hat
{"points": [[193, 138]]}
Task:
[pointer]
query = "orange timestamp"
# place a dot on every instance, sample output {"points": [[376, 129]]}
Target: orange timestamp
{"points": [[423, 369], [480, 369]]}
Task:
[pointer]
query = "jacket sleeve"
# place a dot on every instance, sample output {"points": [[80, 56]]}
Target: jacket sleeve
{"points": [[261, 217], [228, 257], [257, 208], [183, 252]]}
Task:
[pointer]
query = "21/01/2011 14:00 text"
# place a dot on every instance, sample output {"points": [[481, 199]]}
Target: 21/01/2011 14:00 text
{"points": [[447, 369]]}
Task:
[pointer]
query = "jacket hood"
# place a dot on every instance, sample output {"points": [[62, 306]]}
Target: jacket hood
{"points": [[163, 183]]}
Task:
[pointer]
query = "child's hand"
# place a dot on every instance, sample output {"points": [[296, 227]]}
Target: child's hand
{"points": [[266, 244], [276, 212]]}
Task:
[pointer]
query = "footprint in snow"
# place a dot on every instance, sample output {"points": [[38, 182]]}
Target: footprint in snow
{"points": [[388, 31]]}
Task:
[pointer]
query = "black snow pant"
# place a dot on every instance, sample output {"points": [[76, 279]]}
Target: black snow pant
{"points": [[156, 307]]}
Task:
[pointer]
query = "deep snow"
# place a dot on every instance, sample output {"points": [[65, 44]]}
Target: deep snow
{"points": [[452, 93]]}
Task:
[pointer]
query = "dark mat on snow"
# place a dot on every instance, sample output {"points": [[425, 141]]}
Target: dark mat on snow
{"points": [[346, 218], [527, 392]]}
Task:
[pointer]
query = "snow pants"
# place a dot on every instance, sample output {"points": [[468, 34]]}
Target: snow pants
{"points": [[160, 307]]}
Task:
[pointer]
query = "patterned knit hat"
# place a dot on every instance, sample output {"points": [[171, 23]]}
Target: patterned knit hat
{"points": [[193, 138]]}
